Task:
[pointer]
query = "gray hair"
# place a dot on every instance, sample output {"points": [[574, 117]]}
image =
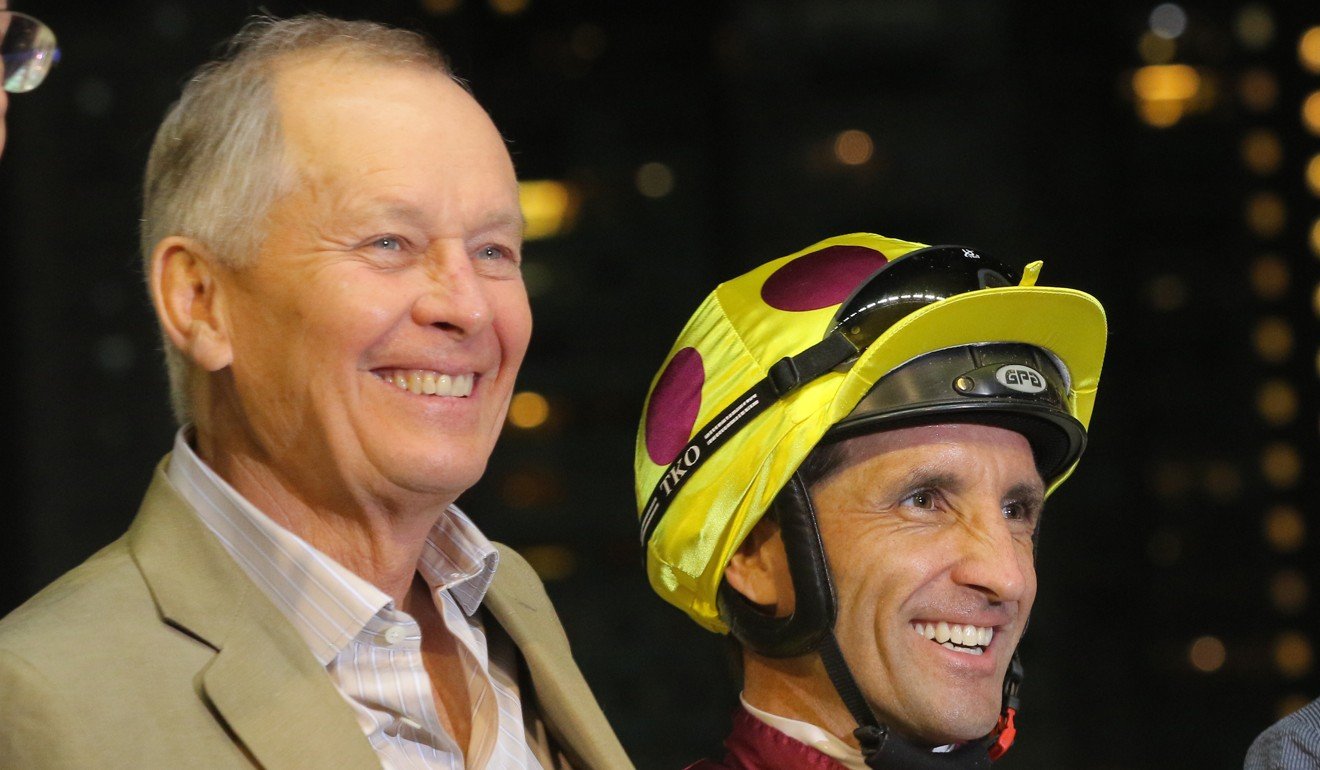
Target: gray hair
{"points": [[217, 163]]}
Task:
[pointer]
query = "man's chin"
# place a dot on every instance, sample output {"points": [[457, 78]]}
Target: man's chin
{"points": [[942, 728]]}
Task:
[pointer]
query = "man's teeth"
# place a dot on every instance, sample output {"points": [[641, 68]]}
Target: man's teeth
{"points": [[421, 381], [968, 639]]}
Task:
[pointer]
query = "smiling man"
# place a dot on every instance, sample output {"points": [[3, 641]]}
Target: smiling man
{"points": [[843, 463], [332, 242]]}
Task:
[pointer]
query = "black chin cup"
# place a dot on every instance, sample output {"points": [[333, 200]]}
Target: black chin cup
{"points": [[884, 750], [814, 608]]}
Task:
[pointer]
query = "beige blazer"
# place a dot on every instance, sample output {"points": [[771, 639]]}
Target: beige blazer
{"points": [[159, 652]]}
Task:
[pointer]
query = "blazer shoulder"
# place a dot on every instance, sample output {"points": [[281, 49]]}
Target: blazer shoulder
{"points": [[103, 591]]}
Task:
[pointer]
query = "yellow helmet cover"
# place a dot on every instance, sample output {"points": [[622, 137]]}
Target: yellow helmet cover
{"points": [[778, 310]]}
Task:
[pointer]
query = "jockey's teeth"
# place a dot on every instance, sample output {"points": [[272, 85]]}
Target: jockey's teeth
{"points": [[962, 638]]}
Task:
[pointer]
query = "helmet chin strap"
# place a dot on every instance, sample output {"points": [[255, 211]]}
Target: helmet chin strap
{"points": [[884, 749]]}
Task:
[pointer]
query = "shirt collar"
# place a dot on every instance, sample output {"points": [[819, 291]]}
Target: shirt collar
{"points": [[816, 737], [326, 602]]}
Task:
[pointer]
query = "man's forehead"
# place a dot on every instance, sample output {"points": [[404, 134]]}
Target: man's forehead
{"points": [[940, 448], [989, 436]]}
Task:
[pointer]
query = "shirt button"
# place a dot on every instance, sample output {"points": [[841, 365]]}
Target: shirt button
{"points": [[394, 634]]}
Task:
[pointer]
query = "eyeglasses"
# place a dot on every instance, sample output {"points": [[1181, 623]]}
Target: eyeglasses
{"points": [[28, 49]]}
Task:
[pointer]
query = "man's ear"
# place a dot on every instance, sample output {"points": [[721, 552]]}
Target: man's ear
{"points": [[759, 570], [189, 301]]}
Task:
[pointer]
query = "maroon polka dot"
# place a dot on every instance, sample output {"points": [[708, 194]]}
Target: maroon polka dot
{"points": [[821, 278], [674, 406]]}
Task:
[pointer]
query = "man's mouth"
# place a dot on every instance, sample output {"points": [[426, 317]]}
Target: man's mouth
{"points": [[429, 383], [971, 640]]}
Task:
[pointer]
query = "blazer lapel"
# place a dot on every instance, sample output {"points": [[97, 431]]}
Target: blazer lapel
{"points": [[518, 602], [263, 682]]}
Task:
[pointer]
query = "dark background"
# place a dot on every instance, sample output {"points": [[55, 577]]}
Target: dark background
{"points": [[1174, 620]]}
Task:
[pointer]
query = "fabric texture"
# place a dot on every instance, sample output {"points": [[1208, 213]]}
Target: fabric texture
{"points": [[159, 652], [755, 745], [1292, 743]]}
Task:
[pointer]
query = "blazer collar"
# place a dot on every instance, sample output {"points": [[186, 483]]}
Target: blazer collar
{"points": [[518, 603], [263, 682]]}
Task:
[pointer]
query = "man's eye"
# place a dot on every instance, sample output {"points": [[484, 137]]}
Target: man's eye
{"points": [[492, 252], [388, 243], [923, 499], [1019, 512]]}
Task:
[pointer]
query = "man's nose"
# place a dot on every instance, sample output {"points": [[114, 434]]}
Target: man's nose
{"points": [[994, 560], [454, 298]]}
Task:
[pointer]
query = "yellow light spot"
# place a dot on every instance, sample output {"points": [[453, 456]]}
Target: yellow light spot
{"points": [[528, 410], [1281, 465], [1289, 591], [1269, 276], [1292, 654], [1266, 214], [1313, 175], [654, 180], [1311, 113], [1161, 114], [551, 562], [1262, 152], [1276, 402], [1166, 82], [549, 207], [853, 147], [1154, 49], [1314, 238], [1164, 92], [1273, 339], [1285, 529], [508, 7], [1207, 654], [1308, 50]]}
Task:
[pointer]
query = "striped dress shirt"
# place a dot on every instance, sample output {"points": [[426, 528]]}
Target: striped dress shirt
{"points": [[371, 650]]}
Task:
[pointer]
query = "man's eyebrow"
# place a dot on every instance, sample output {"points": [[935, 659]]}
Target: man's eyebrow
{"points": [[1027, 492], [929, 478], [938, 478], [414, 215], [503, 219]]}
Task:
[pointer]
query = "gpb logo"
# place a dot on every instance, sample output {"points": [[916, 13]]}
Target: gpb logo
{"points": [[1023, 379]]}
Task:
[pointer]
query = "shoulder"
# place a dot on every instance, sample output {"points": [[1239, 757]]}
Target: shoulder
{"points": [[1292, 742], [516, 576], [53, 646], [104, 590]]}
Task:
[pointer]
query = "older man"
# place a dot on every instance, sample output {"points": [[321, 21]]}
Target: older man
{"points": [[27, 48], [843, 464], [332, 241]]}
